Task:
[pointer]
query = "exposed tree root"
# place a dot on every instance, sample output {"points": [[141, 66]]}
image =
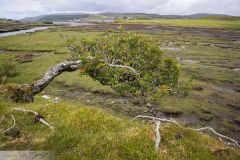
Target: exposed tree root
{"points": [[39, 118], [158, 120], [14, 123]]}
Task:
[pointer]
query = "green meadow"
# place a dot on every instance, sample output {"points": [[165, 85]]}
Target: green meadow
{"points": [[200, 23]]}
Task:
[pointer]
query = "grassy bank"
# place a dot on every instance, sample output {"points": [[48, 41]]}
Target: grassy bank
{"points": [[83, 132]]}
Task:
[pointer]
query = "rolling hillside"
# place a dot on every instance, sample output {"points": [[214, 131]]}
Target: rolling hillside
{"points": [[84, 16]]}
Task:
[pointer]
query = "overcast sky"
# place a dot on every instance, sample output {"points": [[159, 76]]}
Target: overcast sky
{"points": [[17, 9]]}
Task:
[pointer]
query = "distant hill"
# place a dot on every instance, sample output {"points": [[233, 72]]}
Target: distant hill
{"points": [[84, 16], [56, 17], [221, 17], [138, 15], [200, 15]]}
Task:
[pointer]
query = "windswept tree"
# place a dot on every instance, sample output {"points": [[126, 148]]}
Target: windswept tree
{"points": [[126, 62], [123, 60]]}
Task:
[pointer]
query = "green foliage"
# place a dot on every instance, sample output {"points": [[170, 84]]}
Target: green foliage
{"points": [[7, 69], [126, 62]]}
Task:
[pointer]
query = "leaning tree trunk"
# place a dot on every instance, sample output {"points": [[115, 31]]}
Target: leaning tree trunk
{"points": [[25, 93], [53, 72]]}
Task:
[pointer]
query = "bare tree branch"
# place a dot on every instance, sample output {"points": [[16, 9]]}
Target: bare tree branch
{"points": [[36, 114], [53, 72], [158, 136], [113, 64], [218, 134], [14, 123], [157, 119], [122, 66]]}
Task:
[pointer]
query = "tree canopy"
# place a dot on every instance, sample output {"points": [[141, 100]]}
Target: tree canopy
{"points": [[127, 62]]}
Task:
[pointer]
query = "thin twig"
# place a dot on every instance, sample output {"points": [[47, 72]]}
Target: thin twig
{"points": [[14, 123], [35, 113]]}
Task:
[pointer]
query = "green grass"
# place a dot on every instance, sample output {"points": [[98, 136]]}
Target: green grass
{"points": [[201, 23], [42, 41], [187, 106], [83, 132], [224, 18]]}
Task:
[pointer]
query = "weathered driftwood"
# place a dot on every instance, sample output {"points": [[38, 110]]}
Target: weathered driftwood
{"points": [[156, 120], [40, 119], [158, 136], [53, 72], [218, 135]]}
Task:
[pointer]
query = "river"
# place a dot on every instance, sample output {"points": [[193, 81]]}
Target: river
{"points": [[22, 31]]}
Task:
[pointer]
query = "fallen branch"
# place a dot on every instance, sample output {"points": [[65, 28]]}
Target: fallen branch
{"points": [[157, 119], [218, 134], [53, 72], [14, 123], [158, 136], [36, 114], [221, 136]]}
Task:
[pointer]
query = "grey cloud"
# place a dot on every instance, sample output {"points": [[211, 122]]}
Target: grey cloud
{"points": [[36, 7]]}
